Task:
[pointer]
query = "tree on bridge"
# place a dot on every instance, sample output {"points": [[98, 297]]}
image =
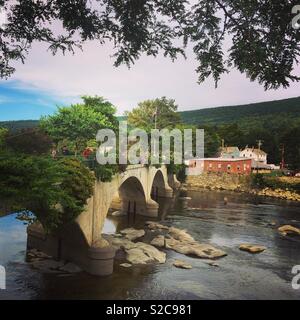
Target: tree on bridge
{"points": [[54, 191], [261, 41]]}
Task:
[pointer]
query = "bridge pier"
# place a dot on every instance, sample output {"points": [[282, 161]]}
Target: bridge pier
{"points": [[81, 242], [152, 208]]}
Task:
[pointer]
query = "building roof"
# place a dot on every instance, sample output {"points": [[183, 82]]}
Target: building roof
{"points": [[256, 151], [229, 149], [220, 159]]}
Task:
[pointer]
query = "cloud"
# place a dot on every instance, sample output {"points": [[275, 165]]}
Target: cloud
{"points": [[19, 101], [91, 72]]}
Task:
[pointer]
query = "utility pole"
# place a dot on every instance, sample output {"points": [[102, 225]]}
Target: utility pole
{"points": [[260, 143], [282, 165]]}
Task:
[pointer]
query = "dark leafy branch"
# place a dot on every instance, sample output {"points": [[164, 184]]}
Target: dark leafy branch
{"points": [[263, 44]]}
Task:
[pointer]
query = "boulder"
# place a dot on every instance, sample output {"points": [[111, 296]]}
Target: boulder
{"points": [[156, 226], [48, 265], [181, 264], [118, 213], [126, 265], [213, 264], [252, 248], [194, 248], [139, 252], [70, 268], [180, 235], [158, 241], [289, 229], [132, 234], [143, 253], [122, 243], [34, 253]]}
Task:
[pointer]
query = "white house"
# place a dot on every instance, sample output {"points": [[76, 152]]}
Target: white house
{"points": [[257, 155]]}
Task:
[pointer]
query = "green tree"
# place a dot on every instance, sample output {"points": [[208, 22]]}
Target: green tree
{"points": [[3, 135], [231, 133], [264, 44], [291, 142], [212, 141], [29, 141], [80, 123], [163, 111], [54, 191]]}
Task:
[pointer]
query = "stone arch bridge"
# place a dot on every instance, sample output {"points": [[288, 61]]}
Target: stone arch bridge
{"points": [[81, 242]]}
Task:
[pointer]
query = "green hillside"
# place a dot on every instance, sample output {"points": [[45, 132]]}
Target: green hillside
{"points": [[257, 113], [275, 123], [18, 125]]}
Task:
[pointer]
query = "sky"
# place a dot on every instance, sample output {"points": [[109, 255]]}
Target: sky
{"points": [[46, 81]]}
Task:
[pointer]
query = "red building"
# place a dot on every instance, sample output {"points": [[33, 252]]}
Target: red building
{"points": [[220, 165]]}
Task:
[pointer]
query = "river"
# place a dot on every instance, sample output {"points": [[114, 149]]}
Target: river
{"points": [[240, 275]]}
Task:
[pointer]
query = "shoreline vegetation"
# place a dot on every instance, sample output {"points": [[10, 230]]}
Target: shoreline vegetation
{"points": [[284, 188]]}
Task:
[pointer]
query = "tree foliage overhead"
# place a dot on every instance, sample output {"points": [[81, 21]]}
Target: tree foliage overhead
{"points": [[264, 45]]}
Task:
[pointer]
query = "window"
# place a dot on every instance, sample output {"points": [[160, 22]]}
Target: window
{"points": [[239, 168], [219, 166], [228, 167], [210, 165]]}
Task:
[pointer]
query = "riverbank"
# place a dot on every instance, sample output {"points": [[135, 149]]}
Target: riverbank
{"points": [[241, 183]]}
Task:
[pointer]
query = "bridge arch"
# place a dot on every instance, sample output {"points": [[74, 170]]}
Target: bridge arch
{"points": [[132, 196]]}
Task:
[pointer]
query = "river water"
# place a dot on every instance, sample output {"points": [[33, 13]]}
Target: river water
{"points": [[240, 275]]}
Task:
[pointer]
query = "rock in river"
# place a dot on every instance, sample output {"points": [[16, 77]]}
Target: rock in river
{"points": [[180, 241], [158, 241], [180, 235], [139, 252], [143, 253], [125, 265], [194, 248], [70, 268], [118, 213], [288, 229], [252, 248], [132, 234], [181, 264], [156, 226]]}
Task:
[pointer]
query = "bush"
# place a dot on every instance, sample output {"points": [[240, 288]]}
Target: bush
{"points": [[54, 191]]}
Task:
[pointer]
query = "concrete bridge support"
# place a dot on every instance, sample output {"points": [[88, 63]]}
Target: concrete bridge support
{"points": [[81, 242]]}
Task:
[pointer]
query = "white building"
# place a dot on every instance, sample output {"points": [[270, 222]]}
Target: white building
{"points": [[258, 155]]}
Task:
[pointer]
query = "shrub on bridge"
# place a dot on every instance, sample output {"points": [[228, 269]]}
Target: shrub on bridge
{"points": [[54, 191]]}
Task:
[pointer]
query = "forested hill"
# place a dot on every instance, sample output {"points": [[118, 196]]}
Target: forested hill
{"points": [[250, 114], [19, 125]]}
